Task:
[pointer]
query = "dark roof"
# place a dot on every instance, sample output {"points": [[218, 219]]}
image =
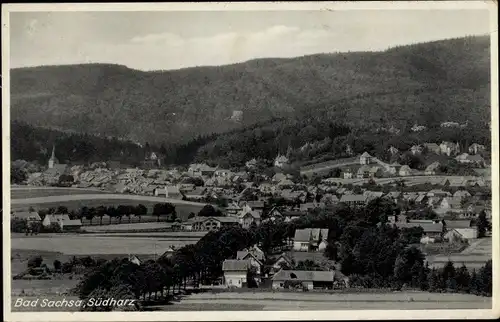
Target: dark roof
{"points": [[428, 227], [304, 276], [304, 235], [450, 224], [235, 265]]}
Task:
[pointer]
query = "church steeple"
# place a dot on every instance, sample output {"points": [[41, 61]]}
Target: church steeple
{"points": [[53, 159]]}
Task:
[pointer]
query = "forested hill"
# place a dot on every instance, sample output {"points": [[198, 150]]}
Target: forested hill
{"points": [[426, 83]]}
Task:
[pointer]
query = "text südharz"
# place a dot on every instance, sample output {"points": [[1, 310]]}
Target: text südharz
{"points": [[90, 302]]}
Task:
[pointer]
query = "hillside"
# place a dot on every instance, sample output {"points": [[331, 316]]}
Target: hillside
{"points": [[440, 81]]}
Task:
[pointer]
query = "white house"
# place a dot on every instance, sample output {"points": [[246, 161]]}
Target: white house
{"points": [[476, 148], [235, 272], [449, 148], [405, 171], [63, 220], [365, 158], [310, 239], [281, 161]]}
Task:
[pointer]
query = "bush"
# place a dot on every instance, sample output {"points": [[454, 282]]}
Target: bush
{"points": [[35, 261]]}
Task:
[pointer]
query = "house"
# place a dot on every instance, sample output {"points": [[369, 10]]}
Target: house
{"points": [[432, 148], [256, 204], [251, 164], [275, 214], [278, 177], [256, 258], [462, 194], [475, 148], [475, 160], [31, 217], [432, 231], [392, 150], [213, 223], [134, 259], [405, 171], [289, 215], [371, 195], [449, 148], [365, 158], [375, 172], [460, 234], [249, 218], [306, 279], [173, 192], [392, 168], [416, 149], [347, 174], [63, 220], [233, 208], [196, 194], [282, 261], [353, 200], [286, 183], [200, 169], [329, 199], [451, 204], [393, 195], [310, 239], [363, 172], [222, 173], [235, 272], [281, 161], [438, 193], [418, 128], [305, 207], [458, 224]]}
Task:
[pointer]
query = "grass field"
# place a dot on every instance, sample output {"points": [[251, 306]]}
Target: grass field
{"points": [[34, 192], [475, 256], [94, 245], [328, 301], [183, 210]]}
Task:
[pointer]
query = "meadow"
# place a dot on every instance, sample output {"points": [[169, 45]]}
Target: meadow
{"points": [[96, 245], [24, 192], [342, 300]]}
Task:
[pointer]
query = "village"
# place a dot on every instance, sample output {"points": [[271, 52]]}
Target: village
{"points": [[445, 207]]}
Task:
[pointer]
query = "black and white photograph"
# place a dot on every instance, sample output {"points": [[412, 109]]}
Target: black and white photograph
{"points": [[255, 159]]}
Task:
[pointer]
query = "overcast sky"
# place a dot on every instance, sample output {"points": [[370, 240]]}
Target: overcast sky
{"points": [[173, 40]]}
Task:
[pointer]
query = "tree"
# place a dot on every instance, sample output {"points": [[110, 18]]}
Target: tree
{"points": [[463, 279], [482, 224], [100, 212], [140, 211], [331, 251], [57, 265], [208, 211], [17, 175], [408, 265], [62, 210], [35, 261], [163, 209], [486, 279]]}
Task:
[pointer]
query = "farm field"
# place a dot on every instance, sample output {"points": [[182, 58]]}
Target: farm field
{"points": [[281, 301], [75, 202], [475, 256], [23, 192], [125, 226], [97, 245]]}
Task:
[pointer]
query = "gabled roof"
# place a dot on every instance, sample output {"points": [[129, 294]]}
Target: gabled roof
{"points": [[428, 227], [307, 234], [353, 198], [365, 155], [451, 224], [304, 276], [28, 215], [235, 265]]}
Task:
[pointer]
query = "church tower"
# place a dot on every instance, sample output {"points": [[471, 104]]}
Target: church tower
{"points": [[53, 159]]}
